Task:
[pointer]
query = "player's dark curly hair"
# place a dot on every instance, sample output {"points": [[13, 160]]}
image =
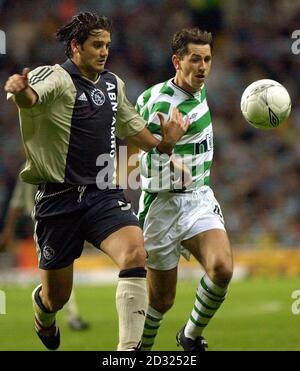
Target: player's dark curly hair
{"points": [[80, 27], [190, 35]]}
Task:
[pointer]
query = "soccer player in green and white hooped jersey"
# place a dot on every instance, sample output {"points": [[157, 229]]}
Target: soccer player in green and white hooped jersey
{"points": [[187, 220]]}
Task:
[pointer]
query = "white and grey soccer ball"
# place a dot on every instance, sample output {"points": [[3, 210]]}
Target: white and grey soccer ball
{"points": [[265, 104]]}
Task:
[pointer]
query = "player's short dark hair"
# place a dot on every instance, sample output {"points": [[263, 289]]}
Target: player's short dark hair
{"points": [[190, 35], [80, 27]]}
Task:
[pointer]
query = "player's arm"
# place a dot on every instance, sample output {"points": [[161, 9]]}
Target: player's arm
{"points": [[132, 126], [172, 130], [155, 164], [18, 85]]}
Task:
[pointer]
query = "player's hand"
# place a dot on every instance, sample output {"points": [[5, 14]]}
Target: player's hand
{"points": [[172, 130], [17, 83], [182, 175]]}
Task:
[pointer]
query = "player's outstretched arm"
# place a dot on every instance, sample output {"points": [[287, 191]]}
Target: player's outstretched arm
{"points": [[172, 130], [18, 85]]}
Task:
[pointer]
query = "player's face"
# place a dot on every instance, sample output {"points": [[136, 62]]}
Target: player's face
{"points": [[193, 68], [92, 55]]}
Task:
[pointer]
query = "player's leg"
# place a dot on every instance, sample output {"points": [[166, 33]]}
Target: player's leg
{"points": [[49, 297], [72, 314], [126, 248], [162, 234], [212, 249], [59, 241], [161, 292]]}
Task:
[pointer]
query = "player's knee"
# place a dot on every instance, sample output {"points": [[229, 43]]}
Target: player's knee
{"points": [[163, 303], [134, 256], [221, 273]]}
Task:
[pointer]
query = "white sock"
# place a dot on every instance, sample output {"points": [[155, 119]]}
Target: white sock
{"points": [[71, 308], [43, 317], [131, 302]]}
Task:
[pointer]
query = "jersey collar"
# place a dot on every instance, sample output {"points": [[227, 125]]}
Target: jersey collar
{"points": [[72, 69], [181, 91]]}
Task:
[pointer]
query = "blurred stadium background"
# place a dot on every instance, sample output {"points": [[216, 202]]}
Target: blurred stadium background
{"points": [[256, 174]]}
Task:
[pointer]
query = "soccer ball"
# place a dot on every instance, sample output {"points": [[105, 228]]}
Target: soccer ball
{"points": [[265, 104]]}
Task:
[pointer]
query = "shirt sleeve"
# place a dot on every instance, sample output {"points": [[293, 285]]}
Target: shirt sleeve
{"points": [[9, 96], [48, 82], [129, 122]]}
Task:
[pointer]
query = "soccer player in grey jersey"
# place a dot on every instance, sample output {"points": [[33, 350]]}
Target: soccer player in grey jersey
{"points": [[187, 220], [69, 116]]}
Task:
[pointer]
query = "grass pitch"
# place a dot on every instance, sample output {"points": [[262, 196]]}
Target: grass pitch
{"points": [[257, 315]]}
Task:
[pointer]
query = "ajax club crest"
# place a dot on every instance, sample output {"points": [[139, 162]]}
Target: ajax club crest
{"points": [[98, 97]]}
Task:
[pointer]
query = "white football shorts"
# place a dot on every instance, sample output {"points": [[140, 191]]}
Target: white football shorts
{"points": [[175, 217]]}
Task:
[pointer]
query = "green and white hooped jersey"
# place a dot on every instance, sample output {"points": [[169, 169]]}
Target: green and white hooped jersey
{"points": [[195, 148]]}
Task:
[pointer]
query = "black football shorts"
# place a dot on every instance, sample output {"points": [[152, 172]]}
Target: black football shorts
{"points": [[65, 216]]}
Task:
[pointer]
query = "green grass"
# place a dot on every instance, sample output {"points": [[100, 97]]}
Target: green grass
{"points": [[256, 316]]}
